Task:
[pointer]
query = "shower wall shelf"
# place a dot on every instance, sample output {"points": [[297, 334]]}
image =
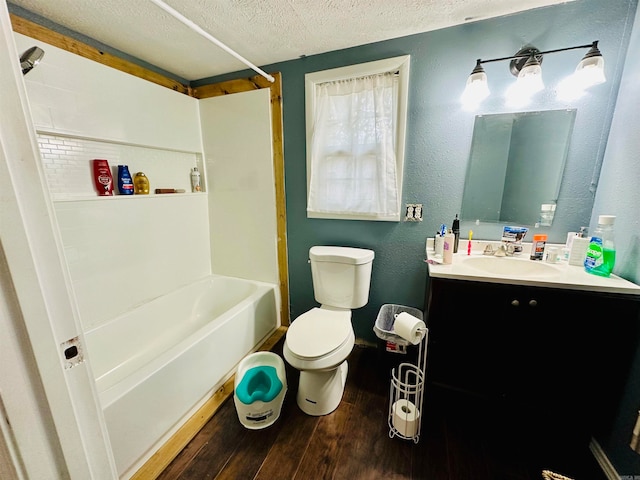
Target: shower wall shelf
{"points": [[68, 171], [116, 197]]}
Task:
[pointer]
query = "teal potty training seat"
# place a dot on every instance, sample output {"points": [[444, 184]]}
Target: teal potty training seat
{"points": [[260, 387], [259, 383]]}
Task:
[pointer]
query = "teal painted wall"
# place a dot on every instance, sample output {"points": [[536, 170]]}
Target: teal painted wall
{"points": [[619, 194], [439, 138]]}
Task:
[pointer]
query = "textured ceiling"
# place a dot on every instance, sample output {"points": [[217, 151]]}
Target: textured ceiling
{"points": [[261, 31]]}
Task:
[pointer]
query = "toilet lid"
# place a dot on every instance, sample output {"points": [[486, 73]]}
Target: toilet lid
{"points": [[318, 332]]}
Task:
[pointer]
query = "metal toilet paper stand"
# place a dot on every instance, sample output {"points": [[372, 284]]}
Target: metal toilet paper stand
{"points": [[406, 393]]}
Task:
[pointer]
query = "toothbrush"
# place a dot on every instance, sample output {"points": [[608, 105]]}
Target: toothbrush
{"points": [[469, 242]]}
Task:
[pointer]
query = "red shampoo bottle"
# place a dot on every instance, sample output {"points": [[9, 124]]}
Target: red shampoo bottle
{"points": [[102, 177]]}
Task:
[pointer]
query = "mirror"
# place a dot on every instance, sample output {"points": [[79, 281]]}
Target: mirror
{"points": [[515, 167]]}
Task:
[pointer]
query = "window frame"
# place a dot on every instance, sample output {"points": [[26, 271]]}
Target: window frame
{"points": [[401, 65]]}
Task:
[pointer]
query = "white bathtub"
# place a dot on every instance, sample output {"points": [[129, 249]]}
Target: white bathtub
{"points": [[154, 366]]}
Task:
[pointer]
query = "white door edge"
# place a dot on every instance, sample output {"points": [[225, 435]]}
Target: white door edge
{"points": [[62, 402]]}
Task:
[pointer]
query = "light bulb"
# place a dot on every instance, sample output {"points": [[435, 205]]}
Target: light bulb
{"points": [[590, 71], [476, 90], [530, 77]]}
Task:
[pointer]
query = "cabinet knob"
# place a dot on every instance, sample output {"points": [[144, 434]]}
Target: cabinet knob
{"points": [[515, 303], [533, 303]]}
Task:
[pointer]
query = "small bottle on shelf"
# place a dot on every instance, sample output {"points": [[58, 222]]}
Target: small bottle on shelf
{"points": [[125, 182], [195, 180], [102, 177], [141, 184]]}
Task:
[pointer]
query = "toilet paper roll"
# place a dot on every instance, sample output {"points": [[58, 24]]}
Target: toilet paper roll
{"points": [[409, 327], [406, 418]]}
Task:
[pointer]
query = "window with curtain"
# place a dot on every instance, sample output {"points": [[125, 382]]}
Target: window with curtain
{"points": [[356, 120]]}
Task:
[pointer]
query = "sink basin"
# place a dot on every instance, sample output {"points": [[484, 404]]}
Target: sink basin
{"points": [[511, 266]]}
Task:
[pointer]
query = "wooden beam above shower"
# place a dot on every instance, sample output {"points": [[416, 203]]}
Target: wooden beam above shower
{"points": [[38, 32]]}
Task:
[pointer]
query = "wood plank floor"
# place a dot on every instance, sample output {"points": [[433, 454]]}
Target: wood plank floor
{"points": [[461, 439]]}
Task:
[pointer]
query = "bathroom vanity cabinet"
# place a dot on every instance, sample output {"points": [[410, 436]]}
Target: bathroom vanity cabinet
{"points": [[543, 353]]}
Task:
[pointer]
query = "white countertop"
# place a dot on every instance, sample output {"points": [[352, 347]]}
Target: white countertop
{"points": [[563, 276]]}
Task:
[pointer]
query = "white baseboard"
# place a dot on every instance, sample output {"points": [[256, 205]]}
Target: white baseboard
{"points": [[603, 460]]}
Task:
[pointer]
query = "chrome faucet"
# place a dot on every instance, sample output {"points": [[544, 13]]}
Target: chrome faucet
{"points": [[502, 250]]}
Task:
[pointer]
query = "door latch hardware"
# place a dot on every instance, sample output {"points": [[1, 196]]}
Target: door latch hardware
{"points": [[72, 352]]}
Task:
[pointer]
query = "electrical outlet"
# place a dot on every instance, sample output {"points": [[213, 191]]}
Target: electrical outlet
{"points": [[413, 212]]}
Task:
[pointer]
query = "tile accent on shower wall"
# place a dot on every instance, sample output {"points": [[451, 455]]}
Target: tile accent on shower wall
{"points": [[67, 165]]}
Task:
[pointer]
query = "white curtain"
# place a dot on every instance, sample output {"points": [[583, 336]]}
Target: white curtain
{"points": [[353, 157]]}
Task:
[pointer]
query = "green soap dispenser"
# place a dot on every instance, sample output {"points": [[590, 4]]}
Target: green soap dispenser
{"points": [[601, 252]]}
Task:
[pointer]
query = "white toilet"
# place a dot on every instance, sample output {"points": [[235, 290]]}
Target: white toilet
{"points": [[319, 341]]}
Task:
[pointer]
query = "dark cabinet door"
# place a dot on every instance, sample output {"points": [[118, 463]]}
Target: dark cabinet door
{"points": [[558, 357], [468, 343]]}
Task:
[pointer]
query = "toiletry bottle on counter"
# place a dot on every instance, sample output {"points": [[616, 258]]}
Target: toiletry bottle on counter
{"points": [[552, 256], [601, 253], [447, 247], [456, 233], [125, 182], [141, 184], [102, 177], [565, 253], [195, 180], [438, 244], [537, 247]]}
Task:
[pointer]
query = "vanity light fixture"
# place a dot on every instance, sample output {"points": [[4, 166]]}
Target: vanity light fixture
{"points": [[526, 65]]}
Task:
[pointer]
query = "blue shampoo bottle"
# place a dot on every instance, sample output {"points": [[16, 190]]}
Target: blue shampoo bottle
{"points": [[125, 182]]}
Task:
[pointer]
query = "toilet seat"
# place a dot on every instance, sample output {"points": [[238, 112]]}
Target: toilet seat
{"points": [[319, 332]]}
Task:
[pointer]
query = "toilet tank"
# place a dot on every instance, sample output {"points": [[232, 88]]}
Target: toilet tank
{"points": [[341, 275]]}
